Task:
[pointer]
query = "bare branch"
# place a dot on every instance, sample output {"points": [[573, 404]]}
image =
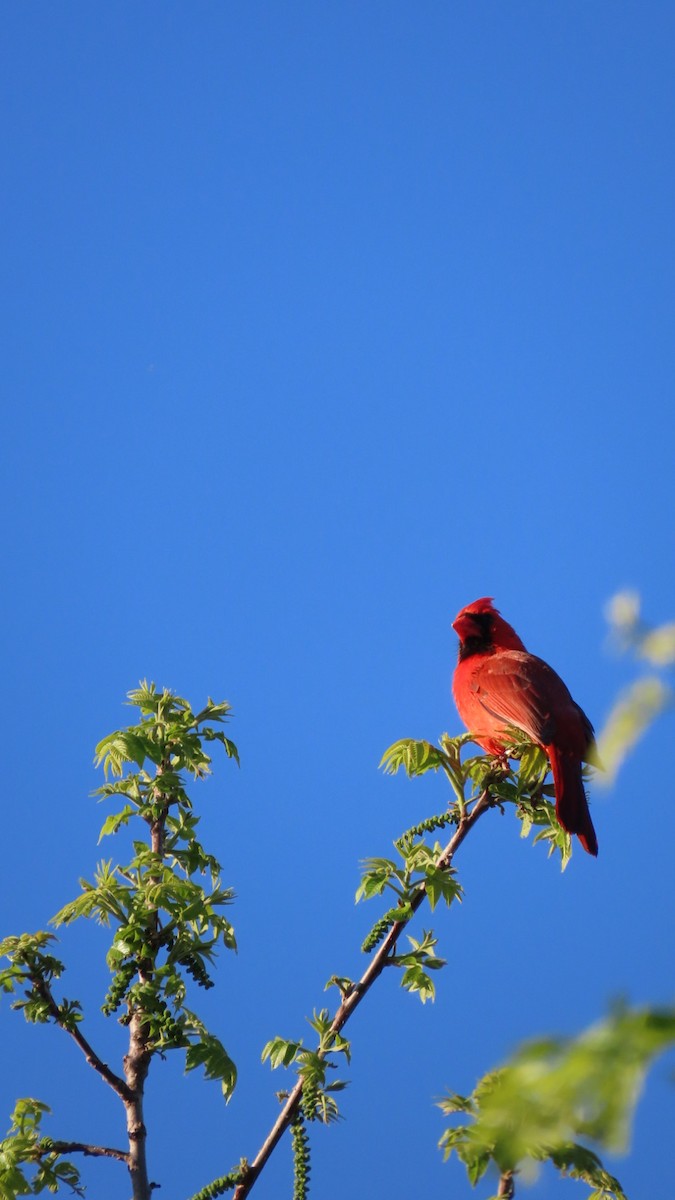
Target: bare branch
{"points": [[85, 1148], [356, 994]]}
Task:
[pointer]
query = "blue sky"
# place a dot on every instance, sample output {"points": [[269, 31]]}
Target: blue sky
{"points": [[321, 321]]}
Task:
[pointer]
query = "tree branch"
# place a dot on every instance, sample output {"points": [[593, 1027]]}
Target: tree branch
{"points": [[138, 1057], [118, 1085], [356, 994], [507, 1187], [85, 1148], [136, 1066]]}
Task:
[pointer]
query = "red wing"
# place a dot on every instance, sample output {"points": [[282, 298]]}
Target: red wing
{"points": [[521, 690]]}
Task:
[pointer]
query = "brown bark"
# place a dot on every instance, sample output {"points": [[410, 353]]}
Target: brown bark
{"points": [[507, 1187], [136, 1064], [137, 1060]]}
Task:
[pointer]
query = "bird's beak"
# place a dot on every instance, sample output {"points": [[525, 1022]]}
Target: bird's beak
{"points": [[463, 626]]}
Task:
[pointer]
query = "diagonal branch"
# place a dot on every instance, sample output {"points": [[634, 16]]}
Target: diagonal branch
{"points": [[356, 994], [118, 1085]]}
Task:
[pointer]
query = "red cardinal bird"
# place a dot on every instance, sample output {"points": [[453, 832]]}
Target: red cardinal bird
{"points": [[497, 684]]}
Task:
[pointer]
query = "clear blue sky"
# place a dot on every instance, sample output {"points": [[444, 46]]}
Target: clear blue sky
{"points": [[319, 322]]}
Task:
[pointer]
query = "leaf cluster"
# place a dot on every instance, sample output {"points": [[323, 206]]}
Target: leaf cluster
{"points": [[417, 962], [33, 968], [419, 874], [25, 1147], [554, 1092], [164, 906], [168, 729], [312, 1066], [518, 777]]}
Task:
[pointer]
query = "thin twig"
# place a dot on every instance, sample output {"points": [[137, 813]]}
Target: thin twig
{"points": [[356, 994], [85, 1148], [118, 1085]]}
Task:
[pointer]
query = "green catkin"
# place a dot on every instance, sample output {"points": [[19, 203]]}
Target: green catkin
{"points": [[428, 826], [226, 1183], [301, 1167], [378, 931]]}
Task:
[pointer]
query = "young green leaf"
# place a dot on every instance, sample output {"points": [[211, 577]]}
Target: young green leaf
{"points": [[416, 757]]}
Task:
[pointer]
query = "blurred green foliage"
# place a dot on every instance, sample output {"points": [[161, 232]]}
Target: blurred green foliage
{"points": [[557, 1091], [645, 698]]}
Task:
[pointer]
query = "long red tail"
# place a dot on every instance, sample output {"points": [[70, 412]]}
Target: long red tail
{"points": [[571, 806]]}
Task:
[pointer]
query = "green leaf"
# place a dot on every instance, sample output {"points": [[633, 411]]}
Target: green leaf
{"points": [[416, 757], [378, 874], [454, 1103], [441, 884], [477, 1166], [115, 821], [342, 982], [280, 1052], [415, 979], [217, 735], [533, 767], [208, 1052], [123, 746]]}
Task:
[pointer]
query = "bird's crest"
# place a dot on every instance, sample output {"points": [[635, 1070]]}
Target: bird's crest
{"points": [[484, 605]]}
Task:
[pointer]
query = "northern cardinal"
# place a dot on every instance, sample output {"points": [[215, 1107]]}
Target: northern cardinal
{"points": [[497, 684]]}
